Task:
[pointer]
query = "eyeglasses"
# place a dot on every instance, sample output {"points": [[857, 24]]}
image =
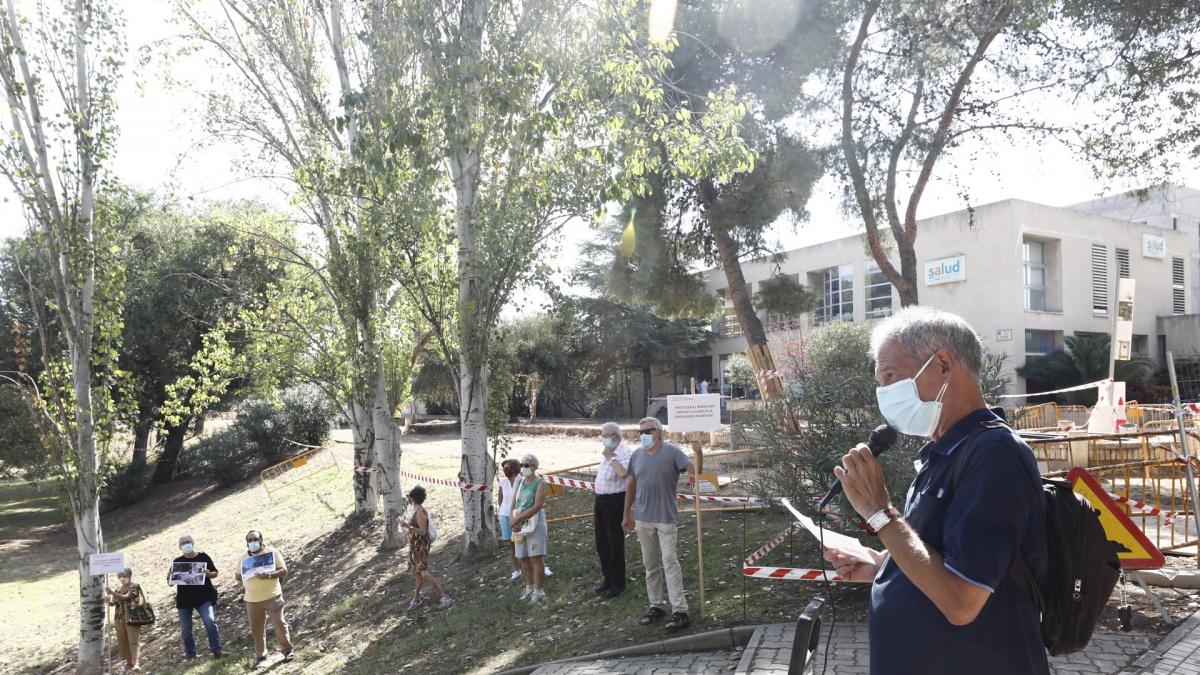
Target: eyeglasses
{"points": [[526, 465], [647, 431]]}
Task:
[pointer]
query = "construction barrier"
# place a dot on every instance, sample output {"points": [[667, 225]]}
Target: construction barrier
{"points": [[313, 460]]}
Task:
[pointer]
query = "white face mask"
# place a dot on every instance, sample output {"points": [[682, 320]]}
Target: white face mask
{"points": [[647, 441], [610, 442], [902, 407], [526, 471], [186, 548]]}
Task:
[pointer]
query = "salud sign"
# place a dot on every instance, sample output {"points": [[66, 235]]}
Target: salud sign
{"points": [[694, 412], [1154, 246], [946, 270], [1133, 548]]}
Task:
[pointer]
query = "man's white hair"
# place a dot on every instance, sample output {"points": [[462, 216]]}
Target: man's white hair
{"points": [[921, 331], [611, 427], [186, 537], [653, 420]]}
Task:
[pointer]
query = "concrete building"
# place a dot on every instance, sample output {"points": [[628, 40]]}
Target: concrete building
{"points": [[1025, 275]]}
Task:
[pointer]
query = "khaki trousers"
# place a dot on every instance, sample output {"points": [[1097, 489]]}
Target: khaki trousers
{"points": [[259, 611], [127, 641], [658, 554]]}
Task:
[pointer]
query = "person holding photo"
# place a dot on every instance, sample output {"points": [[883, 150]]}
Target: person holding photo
{"points": [[201, 599], [418, 550], [123, 599], [264, 596]]}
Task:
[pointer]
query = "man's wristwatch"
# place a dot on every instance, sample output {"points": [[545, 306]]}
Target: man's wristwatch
{"points": [[881, 518]]}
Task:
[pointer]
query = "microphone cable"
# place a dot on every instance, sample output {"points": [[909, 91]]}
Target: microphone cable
{"points": [[828, 594]]}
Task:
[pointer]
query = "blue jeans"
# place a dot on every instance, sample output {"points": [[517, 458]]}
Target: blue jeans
{"points": [[210, 627]]}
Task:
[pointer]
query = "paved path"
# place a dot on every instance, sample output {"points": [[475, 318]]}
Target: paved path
{"points": [[1177, 654], [768, 654]]}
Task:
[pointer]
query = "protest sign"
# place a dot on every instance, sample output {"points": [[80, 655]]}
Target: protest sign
{"points": [[259, 564], [187, 574], [106, 563], [695, 412]]}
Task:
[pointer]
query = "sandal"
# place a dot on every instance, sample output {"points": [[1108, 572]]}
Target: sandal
{"points": [[678, 620], [652, 616], [416, 603]]}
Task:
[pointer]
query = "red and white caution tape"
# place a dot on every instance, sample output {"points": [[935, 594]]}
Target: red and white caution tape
{"points": [[473, 487], [365, 469], [1148, 509], [749, 569], [790, 573], [1179, 457], [683, 496], [769, 374], [587, 485]]}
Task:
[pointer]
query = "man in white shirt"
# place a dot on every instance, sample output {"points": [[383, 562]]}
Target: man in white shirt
{"points": [[611, 479], [506, 492]]}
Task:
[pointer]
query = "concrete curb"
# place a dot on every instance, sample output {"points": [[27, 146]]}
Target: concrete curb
{"points": [[1152, 655], [725, 638]]}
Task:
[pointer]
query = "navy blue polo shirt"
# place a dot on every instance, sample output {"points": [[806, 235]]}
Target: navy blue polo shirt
{"points": [[993, 516]]}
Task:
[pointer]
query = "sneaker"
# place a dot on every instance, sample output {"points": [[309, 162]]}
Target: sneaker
{"points": [[259, 661], [218, 654], [516, 574], [446, 602], [548, 572], [417, 602], [602, 587], [526, 593], [287, 656], [538, 596]]}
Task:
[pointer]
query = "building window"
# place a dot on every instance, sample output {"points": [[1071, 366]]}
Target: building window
{"points": [[1123, 263], [1178, 295], [1099, 280], [1042, 342], [1034, 256], [837, 294], [1141, 345], [879, 292], [728, 325]]}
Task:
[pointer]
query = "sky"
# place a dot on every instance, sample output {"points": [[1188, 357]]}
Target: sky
{"points": [[162, 147]]}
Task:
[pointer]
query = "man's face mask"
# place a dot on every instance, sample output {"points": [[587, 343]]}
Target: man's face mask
{"points": [[254, 546], [186, 547], [903, 408]]}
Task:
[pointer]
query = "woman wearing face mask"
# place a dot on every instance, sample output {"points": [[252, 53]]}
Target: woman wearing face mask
{"points": [[201, 599], [418, 550], [531, 544], [507, 494], [122, 599], [264, 598]]}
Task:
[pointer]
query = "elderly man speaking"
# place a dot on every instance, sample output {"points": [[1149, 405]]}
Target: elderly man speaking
{"points": [[942, 601], [611, 478]]}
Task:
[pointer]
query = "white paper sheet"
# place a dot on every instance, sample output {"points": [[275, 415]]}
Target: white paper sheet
{"points": [[845, 544]]}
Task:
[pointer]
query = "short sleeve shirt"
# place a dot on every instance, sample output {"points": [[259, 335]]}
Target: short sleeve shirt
{"points": [[260, 588], [981, 526], [657, 478], [191, 597]]}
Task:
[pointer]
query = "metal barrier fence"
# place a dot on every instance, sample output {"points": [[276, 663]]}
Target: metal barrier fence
{"points": [[297, 468], [1136, 467]]}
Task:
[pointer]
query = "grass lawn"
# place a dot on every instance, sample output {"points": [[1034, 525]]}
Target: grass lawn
{"points": [[347, 599]]}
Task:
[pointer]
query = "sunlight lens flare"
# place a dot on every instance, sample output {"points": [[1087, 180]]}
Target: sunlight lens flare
{"points": [[662, 20], [628, 237]]}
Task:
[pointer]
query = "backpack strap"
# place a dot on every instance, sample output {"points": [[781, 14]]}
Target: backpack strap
{"points": [[1020, 573]]}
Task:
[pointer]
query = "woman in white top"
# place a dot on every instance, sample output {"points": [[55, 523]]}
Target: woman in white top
{"points": [[507, 493]]}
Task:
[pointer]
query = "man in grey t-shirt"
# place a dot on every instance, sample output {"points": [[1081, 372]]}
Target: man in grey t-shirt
{"points": [[650, 501]]}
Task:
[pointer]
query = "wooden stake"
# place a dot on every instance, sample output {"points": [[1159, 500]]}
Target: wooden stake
{"points": [[698, 466]]}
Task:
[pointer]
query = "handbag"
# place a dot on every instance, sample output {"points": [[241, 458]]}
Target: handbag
{"points": [[139, 612]]}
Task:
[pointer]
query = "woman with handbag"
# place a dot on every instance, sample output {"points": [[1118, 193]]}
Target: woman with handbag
{"points": [[530, 535], [132, 611], [421, 532]]}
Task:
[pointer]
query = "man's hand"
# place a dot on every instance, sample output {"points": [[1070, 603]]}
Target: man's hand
{"points": [[627, 524], [862, 480], [851, 568]]}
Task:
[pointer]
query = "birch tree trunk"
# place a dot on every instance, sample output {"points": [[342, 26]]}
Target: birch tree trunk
{"points": [[387, 454], [366, 484]]}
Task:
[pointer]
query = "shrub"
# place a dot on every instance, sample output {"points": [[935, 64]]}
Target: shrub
{"points": [[307, 414], [264, 425], [228, 456], [835, 403], [21, 451], [123, 485]]}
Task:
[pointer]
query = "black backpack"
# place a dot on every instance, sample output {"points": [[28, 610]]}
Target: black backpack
{"points": [[1082, 565]]}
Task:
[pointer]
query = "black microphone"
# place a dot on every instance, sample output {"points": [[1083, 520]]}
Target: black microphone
{"points": [[881, 440]]}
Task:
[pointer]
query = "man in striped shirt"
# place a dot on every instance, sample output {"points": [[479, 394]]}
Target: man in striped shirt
{"points": [[611, 477]]}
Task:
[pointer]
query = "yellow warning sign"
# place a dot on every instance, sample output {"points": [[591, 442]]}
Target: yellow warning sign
{"points": [[707, 483], [553, 490], [1133, 548]]}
